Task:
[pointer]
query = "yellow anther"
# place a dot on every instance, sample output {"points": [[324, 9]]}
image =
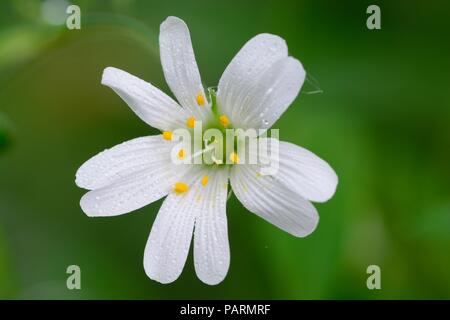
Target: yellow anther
{"points": [[167, 135], [205, 180], [190, 122], [234, 157], [200, 99], [180, 187], [181, 154], [224, 120]]}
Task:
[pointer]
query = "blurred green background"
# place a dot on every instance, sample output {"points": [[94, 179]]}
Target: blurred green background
{"points": [[382, 122]]}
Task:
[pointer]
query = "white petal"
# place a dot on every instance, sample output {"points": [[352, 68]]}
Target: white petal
{"points": [[168, 244], [272, 201], [307, 174], [151, 104], [122, 160], [179, 66], [211, 247], [273, 94], [303, 172], [244, 71], [133, 191]]}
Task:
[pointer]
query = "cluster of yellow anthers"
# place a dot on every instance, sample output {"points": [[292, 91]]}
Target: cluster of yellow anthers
{"points": [[181, 187]]}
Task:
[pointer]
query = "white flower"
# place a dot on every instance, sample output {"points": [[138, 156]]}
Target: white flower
{"points": [[255, 89]]}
